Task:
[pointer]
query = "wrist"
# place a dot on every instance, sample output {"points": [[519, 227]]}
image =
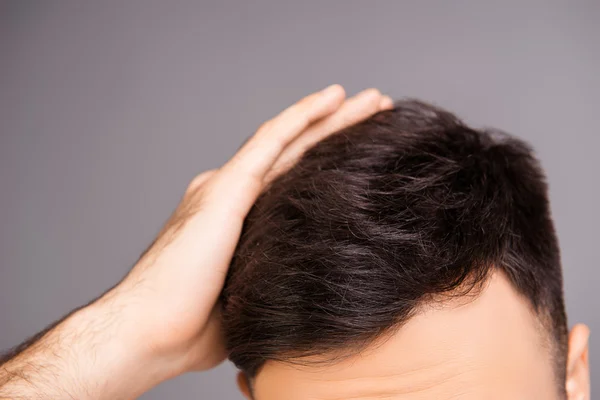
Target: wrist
{"points": [[157, 328], [94, 353], [131, 321], [107, 347]]}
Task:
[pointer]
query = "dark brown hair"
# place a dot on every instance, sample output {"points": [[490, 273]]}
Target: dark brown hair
{"points": [[377, 218]]}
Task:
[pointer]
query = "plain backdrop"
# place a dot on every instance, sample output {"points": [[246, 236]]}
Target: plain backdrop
{"points": [[109, 108]]}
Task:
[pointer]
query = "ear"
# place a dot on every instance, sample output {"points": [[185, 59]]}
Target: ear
{"points": [[244, 385], [578, 367]]}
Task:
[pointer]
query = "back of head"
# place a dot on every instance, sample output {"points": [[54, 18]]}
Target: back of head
{"points": [[380, 218]]}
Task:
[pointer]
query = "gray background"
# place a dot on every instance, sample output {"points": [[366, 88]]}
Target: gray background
{"points": [[108, 109]]}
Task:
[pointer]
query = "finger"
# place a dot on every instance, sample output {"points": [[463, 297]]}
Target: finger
{"points": [[386, 103], [260, 152], [241, 178], [355, 109]]}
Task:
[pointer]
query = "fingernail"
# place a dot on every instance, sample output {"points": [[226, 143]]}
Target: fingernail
{"points": [[386, 102], [331, 91]]}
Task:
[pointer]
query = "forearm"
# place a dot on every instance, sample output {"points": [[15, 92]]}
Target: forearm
{"points": [[92, 354], [164, 319]]}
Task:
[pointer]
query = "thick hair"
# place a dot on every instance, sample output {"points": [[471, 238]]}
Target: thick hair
{"points": [[376, 219]]}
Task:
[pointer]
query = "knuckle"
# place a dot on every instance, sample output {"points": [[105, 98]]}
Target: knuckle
{"points": [[199, 180], [300, 117], [278, 144]]}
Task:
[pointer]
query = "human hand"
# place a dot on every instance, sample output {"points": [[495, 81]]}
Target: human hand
{"points": [[170, 296], [163, 318]]}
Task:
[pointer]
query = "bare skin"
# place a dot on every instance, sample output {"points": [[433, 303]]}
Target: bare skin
{"points": [[163, 318], [139, 333], [491, 346]]}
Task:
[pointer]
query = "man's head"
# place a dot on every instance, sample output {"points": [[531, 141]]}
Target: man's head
{"points": [[408, 256]]}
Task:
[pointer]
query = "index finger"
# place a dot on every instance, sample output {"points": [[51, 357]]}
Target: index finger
{"points": [[241, 178]]}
